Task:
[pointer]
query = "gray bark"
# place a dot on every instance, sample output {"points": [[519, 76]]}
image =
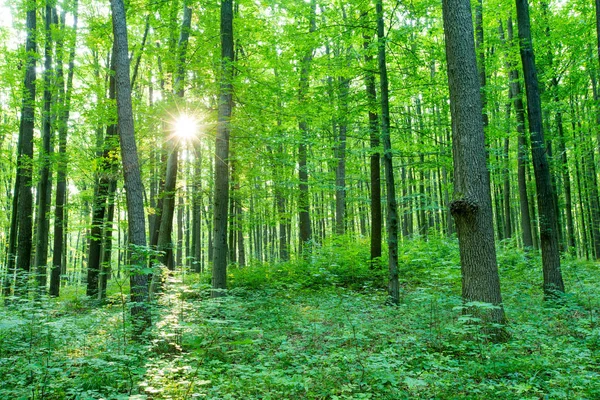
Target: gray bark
{"points": [[472, 204]]}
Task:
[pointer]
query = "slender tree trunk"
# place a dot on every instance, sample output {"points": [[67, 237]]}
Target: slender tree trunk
{"points": [[522, 160], [303, 196], [106, 264], [553, 281], [60, 219], [131, 171], [340, 172], [197, 212], [45, 183], [180, 244], [165, 243], [221, 195], [392, 207], [472, 205], [101, 192]]}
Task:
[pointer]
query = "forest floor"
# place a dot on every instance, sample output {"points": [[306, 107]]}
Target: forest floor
{"points": [[314, 330]]}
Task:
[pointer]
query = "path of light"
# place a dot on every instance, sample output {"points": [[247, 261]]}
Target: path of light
{"points": [[185, 127]]}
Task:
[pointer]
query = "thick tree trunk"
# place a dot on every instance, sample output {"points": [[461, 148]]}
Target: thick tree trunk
{"points": [[472, 205], [24, 185], [131, 171], [221, 195], [553, 281], [392, 207]]}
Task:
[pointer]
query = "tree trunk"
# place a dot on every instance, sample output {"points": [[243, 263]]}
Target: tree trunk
{"points": [[221, 195], [553, 281], [131, 172], [472, 205], [340, 172], [522, 160], [164, 243], [22, 203], [60, 220], [392, 207], [101, 191], [303, 196], [45, 183]]}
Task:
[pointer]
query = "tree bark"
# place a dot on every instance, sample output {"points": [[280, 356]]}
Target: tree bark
{"points": [[522, 159], [472, 204], [22, 200], [131, 172], [375, 159], [553, 281], [221, 195], [303, 195], [101, 194], [45, 184], [64, 96], [392, 207], [340, 171]]}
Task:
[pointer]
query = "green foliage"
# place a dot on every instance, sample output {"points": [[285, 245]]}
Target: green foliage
{"points": [[340, 262], [317, 330]]}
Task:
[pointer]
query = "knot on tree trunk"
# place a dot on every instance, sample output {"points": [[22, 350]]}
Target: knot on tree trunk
{"points": [[463, 207]]}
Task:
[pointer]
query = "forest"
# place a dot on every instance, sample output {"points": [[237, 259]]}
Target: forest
{"points": [[299, 199]]}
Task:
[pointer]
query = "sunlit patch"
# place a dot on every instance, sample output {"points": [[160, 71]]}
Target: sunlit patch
{"points": [[185, 127]]}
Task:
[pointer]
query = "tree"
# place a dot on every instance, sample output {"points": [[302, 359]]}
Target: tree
{"points": [[138, 280], [45, 183], [305, 229], [522, 159], [472, 204], [553, 281], [392, 207], [165, 243], [375, 158], [22, 219], [64, 96], [221, 194]]}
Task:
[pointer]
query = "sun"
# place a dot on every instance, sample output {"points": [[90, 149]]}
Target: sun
{"points": [[185, 127]]}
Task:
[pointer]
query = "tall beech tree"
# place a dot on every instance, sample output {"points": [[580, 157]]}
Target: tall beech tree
{"points": [[134, 190], [472, 205], [221, 193], [375, 157], [522, 159], [45, 182], [65, 90], [305, 229], [553, 281], [392, 207], [22, 219]]}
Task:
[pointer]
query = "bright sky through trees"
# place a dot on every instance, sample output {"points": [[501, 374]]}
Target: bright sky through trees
{"points": [[185, 127]]}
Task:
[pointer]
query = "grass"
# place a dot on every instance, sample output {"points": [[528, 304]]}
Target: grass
{"points": [[316, 330]]}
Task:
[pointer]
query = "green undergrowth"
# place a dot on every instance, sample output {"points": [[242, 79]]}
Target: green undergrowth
{"points": [[319, 329]]}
